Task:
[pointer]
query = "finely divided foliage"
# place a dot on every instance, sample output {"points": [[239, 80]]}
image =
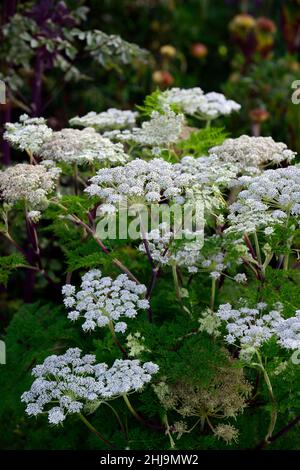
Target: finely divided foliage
{"points": [[197, 315]]}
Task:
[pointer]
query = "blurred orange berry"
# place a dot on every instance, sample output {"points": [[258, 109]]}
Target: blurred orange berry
{"points": [[199, 50], [242, 23], [266, 25], [163, 77], [259, 115]]}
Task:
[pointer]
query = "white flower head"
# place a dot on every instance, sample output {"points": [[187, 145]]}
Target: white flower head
{"points": [[161, 130], [139, 181], [268, 200], [82, 147], [102, 301], [127, 376], [29, 134], [216, 105], [107, 120], [30, 183], [63, 385], [251, 154]]}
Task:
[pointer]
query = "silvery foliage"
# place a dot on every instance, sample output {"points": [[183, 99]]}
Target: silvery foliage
{"points": [[252, 154], [29, 183], [73, 384], [107, 120], [252, 327], [102, 301], [28, 134], [270, 199], [81, 147], [161, 130]]}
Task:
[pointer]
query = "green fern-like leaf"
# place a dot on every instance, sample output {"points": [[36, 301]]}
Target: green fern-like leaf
{"points": [[201, 141], [8, 264]]}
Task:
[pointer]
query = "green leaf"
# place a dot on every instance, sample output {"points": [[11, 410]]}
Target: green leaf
{"points": [[8, 264]]}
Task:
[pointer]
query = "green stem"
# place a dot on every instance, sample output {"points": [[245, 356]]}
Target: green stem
{"points": [[266, 262], [131, 409], [286, 262], [94, 430], [113, 333], [118, 418], [213, 294], [273, 418], [166, 423], [75, 176], [257, 248]]}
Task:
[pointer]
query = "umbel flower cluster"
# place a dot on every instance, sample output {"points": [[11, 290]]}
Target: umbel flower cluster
{"points": [[82, 146], [252, 327], [166, 250], [138, 181], [107, 120], [206, 171], [216, 105], [252, 154], [28, 183], [269, 199], [193, 101], [160, 131], [102, 301], [27, 135], [187, 100], [69, 383]]}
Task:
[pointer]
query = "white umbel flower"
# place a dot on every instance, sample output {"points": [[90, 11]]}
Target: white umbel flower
{"points": [[127, 376], [206, 171], [216, 105], [250, 327], [288, 332], [251, 154], [139, 181], [66, 383], [71, 383], [160, 130], [29, 183], [102, 301], [166, 250], [82, 147], [107, 120], [188, 100], [27, 135], [269, 200]]}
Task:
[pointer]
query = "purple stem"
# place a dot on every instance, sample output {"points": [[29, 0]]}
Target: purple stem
{"points": [[6, 117], [280, 433], [37, 84]]}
